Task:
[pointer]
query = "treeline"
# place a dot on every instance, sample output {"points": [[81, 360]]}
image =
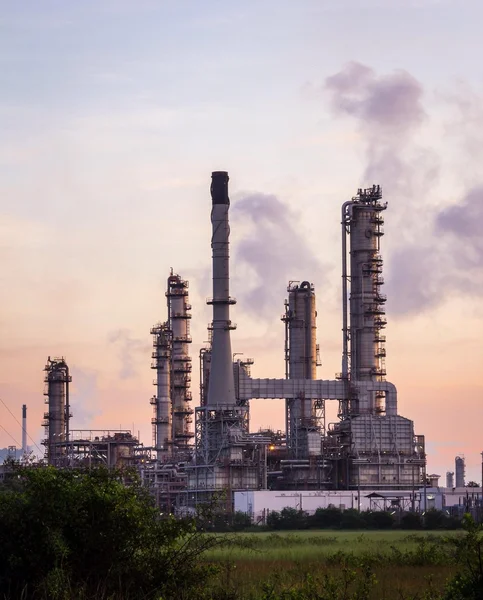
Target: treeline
{"points": [[335, 518]]}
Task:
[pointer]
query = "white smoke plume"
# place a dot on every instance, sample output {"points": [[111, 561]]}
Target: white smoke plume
{"points": [[131, 352], [389, 115], [272, 251], [388, 111]]}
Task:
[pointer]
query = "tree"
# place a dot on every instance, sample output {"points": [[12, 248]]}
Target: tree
{"points": [[327, 517], [352, 519], [411, 520], [82, 534], [468, 582], [435, 519], [379, 519], [472, 484]]}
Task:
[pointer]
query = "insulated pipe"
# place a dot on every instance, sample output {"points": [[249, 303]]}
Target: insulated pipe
{"points": [[381, 386], [221, 388]]}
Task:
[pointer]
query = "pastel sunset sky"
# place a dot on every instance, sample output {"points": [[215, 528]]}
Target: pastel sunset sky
{"points": [[113, 113]]}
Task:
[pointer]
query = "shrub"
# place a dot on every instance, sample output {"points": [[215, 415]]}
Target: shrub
{"points": [[352, 519], [378, 519], [435, 519], [411, 520], [326, 517], [468, 582], [74, 534]]}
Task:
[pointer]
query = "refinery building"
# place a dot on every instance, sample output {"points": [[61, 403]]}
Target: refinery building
{"points": [[207, 449]]}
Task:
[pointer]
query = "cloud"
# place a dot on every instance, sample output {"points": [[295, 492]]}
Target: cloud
{"points": [[84, 400], [131, 351], [389, 114], [425, 275], [271, 251], [388, 111]]}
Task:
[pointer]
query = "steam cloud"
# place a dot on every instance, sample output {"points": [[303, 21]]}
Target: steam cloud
{"points": [[130, 352], [389, 113], [272, 252], [85, 401]]}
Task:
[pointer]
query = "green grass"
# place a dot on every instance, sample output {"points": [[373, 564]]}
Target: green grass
{"points": [[318, 545], [406, 564]]}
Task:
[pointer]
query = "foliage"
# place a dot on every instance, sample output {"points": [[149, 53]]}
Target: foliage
{"points": [[335, 518], [352, 519], [468, 583], [435, 519], [82, 534], [348, 584], [288, 518], [411, 520], [379, 519], [324, 518]]}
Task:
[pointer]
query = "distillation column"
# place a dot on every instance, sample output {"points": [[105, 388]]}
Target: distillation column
{"points": [[56, 421], [178, 323], [162, 420], [362, 219], [372, 446], [301, 355]]}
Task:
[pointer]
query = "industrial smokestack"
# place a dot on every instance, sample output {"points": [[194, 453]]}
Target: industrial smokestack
{"points": [[24, 428], [221, 389]]}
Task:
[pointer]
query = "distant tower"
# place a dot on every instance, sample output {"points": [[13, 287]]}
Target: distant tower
{"points": [[460, 471], [162, 419], [178, 322], [302, 359], [24, 429], [449, 479], [56, 421]]}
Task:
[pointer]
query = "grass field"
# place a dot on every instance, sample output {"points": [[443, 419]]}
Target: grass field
{"points": [[402, 564]]}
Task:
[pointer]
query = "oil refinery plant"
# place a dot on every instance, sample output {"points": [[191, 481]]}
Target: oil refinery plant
{"points": [[198, 453]]}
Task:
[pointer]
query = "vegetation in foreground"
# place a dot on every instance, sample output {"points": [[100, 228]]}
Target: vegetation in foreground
{"points": [[88, 536], [80, 535]]}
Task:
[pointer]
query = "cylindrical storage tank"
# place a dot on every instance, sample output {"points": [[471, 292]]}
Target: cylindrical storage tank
{"points": [[460, 471], [449, 479]]}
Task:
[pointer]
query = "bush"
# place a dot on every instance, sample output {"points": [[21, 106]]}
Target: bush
{"points": [[468, 582], [411, 520], [435, 519], [378, 519], [325, 518], [352, 519], [72, 534]]}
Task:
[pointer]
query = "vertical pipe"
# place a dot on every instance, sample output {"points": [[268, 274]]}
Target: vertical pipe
{"points": [[345, 330], [67, 407], [24, 429]]}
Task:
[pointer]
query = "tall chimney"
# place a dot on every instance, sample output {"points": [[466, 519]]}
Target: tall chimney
{"points": [[24, 428], [221, 388]]}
